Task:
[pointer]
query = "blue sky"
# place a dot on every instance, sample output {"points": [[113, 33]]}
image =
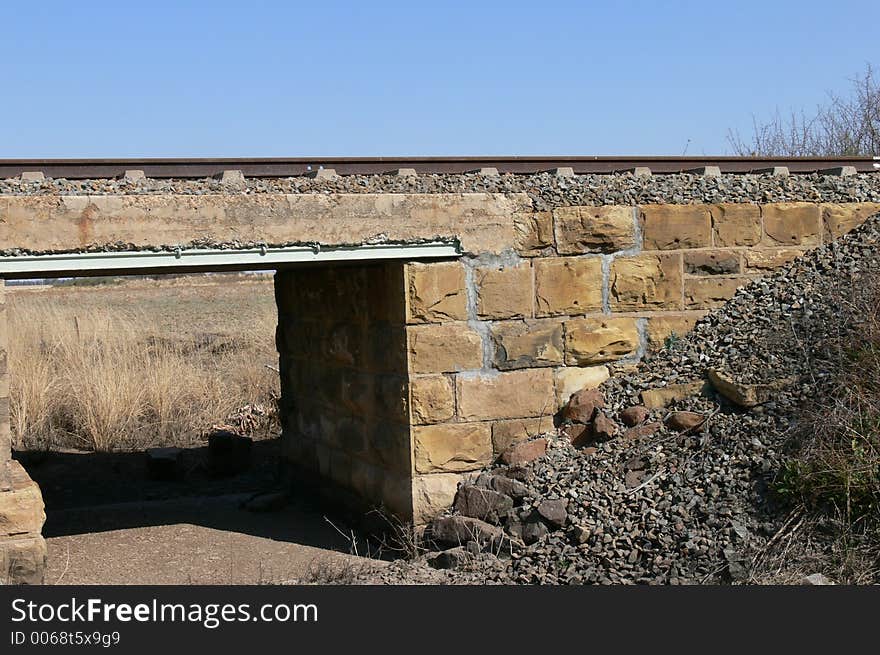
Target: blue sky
{"points": [[252, 78]]}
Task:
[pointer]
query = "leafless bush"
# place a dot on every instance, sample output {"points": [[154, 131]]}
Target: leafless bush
{"points": [[846, 125]]}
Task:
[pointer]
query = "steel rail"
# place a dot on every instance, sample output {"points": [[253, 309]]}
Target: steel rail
{"points": [[78, 169]]}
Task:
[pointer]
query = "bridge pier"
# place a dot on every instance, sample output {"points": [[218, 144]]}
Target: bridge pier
{"points": [[22, 548]]}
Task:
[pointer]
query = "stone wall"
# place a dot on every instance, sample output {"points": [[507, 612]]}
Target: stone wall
{"points": [[344, 380]]}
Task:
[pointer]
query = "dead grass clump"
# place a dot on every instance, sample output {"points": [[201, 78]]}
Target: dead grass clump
{"points": [[107, 380], [832, 474]]}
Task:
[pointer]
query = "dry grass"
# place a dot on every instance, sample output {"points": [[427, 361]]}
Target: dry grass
{"points": [[832, 474], [105, 373]]}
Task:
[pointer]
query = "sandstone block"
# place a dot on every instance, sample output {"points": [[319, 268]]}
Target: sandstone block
{"points": [[505, 292], [436, 292], [433, 399], [767, 259], [23, 561], [705, 293], [533, 233], [574, 378], [711, 262], [670, 227], [591, 341], [528, 344], [603, 229], [566, 285], [665, 396], [512, 394], [839, 219], [736, 224], [792, 224], [661, 327], [21, 508], [452, 447], [646, 281], [433, 494], [444, 348], [511, 431]]}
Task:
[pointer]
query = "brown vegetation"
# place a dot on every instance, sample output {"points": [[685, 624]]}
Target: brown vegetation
{"points": [[832, 475], [140, 364]]}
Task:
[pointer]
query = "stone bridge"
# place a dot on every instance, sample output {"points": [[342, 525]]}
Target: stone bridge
{"points": [[419, 334]]}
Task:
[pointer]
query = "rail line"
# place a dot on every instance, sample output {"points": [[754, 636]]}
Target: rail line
{"points": [[290, 167]]}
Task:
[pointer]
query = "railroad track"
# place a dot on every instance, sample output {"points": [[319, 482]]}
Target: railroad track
{"points": [[288, 167]]}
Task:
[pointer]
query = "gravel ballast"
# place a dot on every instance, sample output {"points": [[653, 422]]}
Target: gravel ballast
{"points": [[547, 190]]}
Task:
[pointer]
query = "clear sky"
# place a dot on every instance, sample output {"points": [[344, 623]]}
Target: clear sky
{"points": [[253, 78]]}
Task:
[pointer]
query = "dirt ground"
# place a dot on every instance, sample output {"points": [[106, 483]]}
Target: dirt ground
{"points": [[109, 522], [198, 540]]}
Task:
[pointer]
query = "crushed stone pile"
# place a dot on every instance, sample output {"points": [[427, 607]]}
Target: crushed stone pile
{"points": [[663, 475]]}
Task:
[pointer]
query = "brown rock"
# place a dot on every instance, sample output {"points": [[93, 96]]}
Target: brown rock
{"points": [[665, 396], [484, 504], [641, 431], [525, 452], [459, 530], [21, 507], [841, 218], [662, 327], [682, 421], [746, 395], [579, 434], [553, 512], [571, 379], [634, 415], [582, 405], [23, 560], [603, 428]]}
